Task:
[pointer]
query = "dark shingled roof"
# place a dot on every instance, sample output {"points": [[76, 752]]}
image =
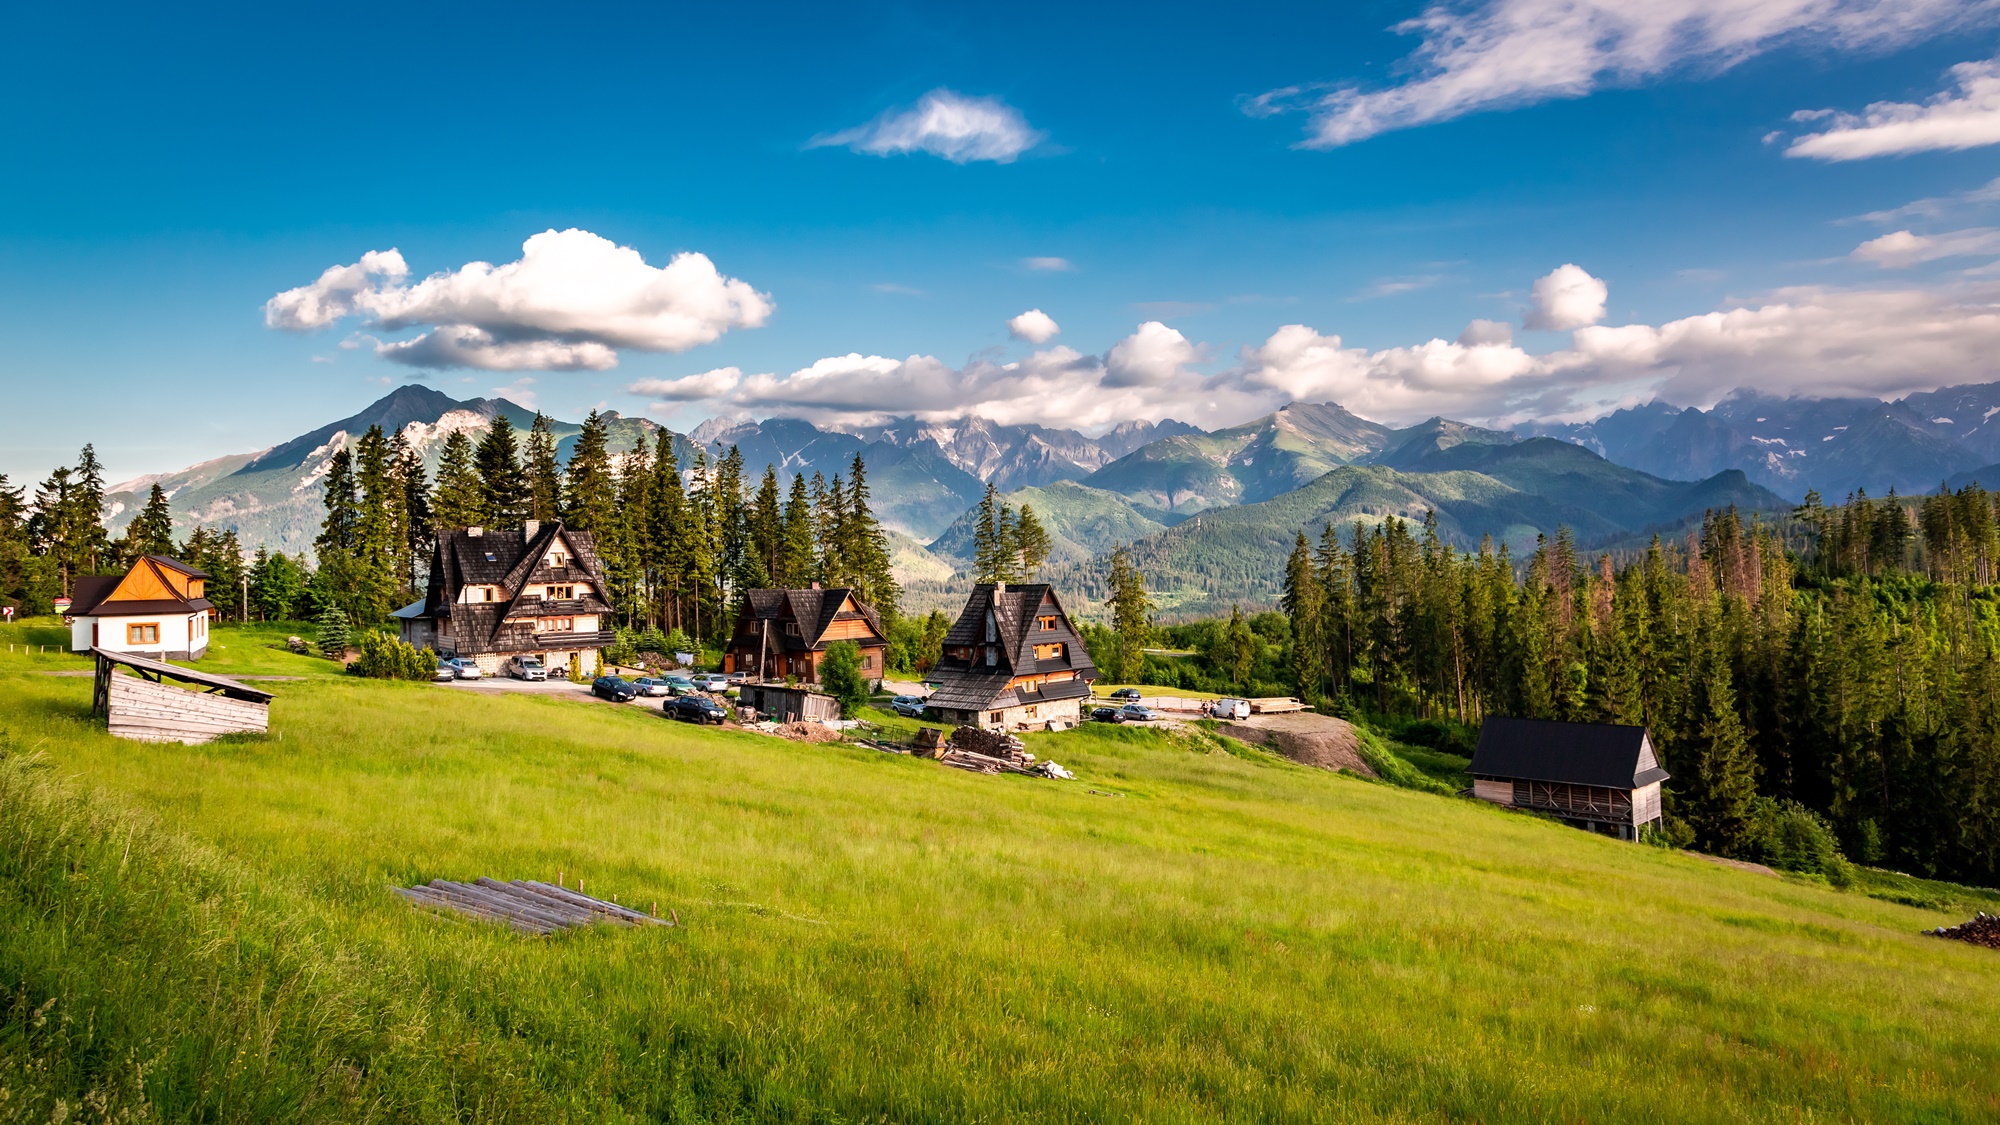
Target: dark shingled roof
{"points": [[1613, 757], [89, 590], [146, 608], [814, 610], [176, 564], [1015, 609]]}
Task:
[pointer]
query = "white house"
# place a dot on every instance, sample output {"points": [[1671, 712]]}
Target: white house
{"points": [[155, 609]]}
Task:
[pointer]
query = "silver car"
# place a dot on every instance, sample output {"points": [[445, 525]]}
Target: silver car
{"points": [[711, 681], [464, 669], [527, 668]]}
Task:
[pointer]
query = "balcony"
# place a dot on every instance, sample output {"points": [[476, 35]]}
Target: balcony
{"points": [[560, 638]]}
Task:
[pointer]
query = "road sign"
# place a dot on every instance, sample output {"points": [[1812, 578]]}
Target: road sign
{"points": [[7, 611], [62, 607]]}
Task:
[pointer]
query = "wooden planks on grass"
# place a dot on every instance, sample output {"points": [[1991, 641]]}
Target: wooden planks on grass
{"points": [[528, 906], [154, 712]]}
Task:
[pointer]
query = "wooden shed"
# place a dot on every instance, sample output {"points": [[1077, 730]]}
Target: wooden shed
{"points": [[782, 704], [1597, 776], [145, 707]]}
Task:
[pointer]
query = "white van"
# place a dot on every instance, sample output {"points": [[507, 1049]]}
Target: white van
{"points": [[1229, 709], [527, 668]]}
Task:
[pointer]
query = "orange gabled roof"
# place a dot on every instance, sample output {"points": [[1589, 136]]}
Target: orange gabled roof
{"points": [[154, 579]]}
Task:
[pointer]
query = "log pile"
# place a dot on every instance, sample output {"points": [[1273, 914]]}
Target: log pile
{"points": [[984, 751], [1981, 930], [991, 744], [526, 905]]}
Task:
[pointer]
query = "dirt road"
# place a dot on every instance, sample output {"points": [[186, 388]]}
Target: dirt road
{"points": [[1304, 736]]}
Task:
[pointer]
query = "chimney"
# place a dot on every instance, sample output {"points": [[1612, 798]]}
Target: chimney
{"points": [[815, 585], [475, 532], [532, 527], [999, 586]]}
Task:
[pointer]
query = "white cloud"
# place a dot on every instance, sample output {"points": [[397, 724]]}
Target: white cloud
{"points": [[1567, 297], [1053, 386], [1153, 356], [1967, 118], [1504, 53], [1935, 206], [1034, 326], [1486, 332], [1048, 265], [1901, 249], [570, 302], [947, 124]]}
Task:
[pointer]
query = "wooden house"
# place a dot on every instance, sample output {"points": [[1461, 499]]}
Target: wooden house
{"points": [[1012, 661], [158, 608], [496, 595], [782, 633], [1593, 775], [143, 706]]}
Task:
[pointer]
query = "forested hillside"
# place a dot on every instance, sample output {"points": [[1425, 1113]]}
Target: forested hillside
{"points": [[1843, 659]]}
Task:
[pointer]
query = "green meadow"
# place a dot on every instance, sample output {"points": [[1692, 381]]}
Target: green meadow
{"points": [[1191, 931]]}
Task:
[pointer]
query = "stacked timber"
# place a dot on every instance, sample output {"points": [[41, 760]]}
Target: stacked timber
{"points": [[152, 712], [992, 744], [1981, 930], [528, 906], [1276, 705]]}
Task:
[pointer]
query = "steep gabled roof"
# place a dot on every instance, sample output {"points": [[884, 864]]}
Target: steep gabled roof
{"points": [[1614, 757], [1015, 610], [89, 590], [814, 610], [92, 596]]}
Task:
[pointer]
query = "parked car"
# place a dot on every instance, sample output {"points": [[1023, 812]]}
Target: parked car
{"points": [[463, 669], [445, 672], [1229, 709], [1137, 713], [650, 685], [909, 706], [1126, 694], [527, 668], [678, 684], [695, 709], [711, 681], [739, 677], [1105, 715], [614, 688]]}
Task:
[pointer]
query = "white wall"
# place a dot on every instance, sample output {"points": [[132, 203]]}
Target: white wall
{"points": [[175, 634]]}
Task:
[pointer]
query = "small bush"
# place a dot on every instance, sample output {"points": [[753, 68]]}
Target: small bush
{"points": [[840, 674], [383, 657], [1791, 837]]}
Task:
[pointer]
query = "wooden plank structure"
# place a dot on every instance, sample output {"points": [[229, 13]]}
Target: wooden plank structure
{"points": [[781, 704], [1598, 776], [528, 906], [144, 707]]}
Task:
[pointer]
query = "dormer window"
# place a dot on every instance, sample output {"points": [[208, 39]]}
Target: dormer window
{"points": [[561, 593], [791, 628], [1046, 621], [992, 630]]}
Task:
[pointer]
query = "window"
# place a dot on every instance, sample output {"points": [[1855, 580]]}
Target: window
{"points": [[992, 655], [791, 628], [486, 593], [1046, 621], [142, 634], [558, 624], [562, 593], [868, 660], [558, 560], [1049, 652], [992, 630]]}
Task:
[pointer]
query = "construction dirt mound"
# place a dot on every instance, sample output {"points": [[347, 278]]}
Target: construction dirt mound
{"points": [[1305, 737], [807, 732]]}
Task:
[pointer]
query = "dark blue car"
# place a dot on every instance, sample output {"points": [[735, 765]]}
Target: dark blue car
{"points": [[615, 689]]}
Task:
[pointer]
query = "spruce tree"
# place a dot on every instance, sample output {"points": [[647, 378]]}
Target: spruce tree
{"points": [[335, 579], [767, 530], [86, 497], [544, 474], [151, 532], [15, 556], [593, 495], [986, 544], [798, 557], [1300, 603], [868, 547], [418, 520], [461, 499], [378, 571], [503, 487], [1033, 539], [1131, 618]]}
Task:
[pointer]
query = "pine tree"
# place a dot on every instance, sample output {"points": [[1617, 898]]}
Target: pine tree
{"points": [[332, 633], [669, 531], [544, 474], [1301, 604], [1131, 618], [869, 547], [1714, 769], [378, 568], [593, 494], [417, 520], [798, 558], [15, 556], [1239, 646], [503, 487], [151, 532], [92, 542], [335, 580], [1033, 539], [986, 544], [767, 532], [461, 499]]}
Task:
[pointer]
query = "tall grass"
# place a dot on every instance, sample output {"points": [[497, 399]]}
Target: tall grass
{"points": [[873, 937]]}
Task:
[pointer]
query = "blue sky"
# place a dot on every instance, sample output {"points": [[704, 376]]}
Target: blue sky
{"points": [[171, 173]]}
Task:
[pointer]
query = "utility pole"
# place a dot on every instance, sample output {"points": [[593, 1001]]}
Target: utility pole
{"points": [[245, 618]]}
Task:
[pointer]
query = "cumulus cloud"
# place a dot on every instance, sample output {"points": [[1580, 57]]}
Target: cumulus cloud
{"points": [[1034, 326], [943, 123], [1902, 249], [1967, 117], [1052, 386], [1154, 356], [1486, 332], [1566, 298], [1505, 53], [1048, 265], [570, 302]]}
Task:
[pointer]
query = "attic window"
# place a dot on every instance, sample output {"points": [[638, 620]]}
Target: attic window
{"points": [[791, 628], [1046, 621]]}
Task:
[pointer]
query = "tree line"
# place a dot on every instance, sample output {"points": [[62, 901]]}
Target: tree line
{"points": [[1842, 659]]}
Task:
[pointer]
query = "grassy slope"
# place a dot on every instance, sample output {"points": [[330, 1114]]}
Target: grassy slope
{"points": [[873, 936]]}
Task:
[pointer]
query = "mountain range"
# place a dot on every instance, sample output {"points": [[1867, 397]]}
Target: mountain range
{"points": [[1210, 514]]}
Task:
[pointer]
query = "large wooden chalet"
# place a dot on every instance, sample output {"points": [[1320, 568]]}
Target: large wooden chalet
{"points": [[1593, 775], [782, 633], [1013, 661], [158, 608], [495, 595]]}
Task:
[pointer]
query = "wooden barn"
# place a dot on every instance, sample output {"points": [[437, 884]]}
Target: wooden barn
{"points": [[782, 704], [783, 633], [1593, 775], [1013, 661], [145, 707]]}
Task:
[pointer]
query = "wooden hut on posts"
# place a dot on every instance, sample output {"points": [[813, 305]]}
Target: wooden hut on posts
{"points": [[144, 707], [1596, 776]]}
